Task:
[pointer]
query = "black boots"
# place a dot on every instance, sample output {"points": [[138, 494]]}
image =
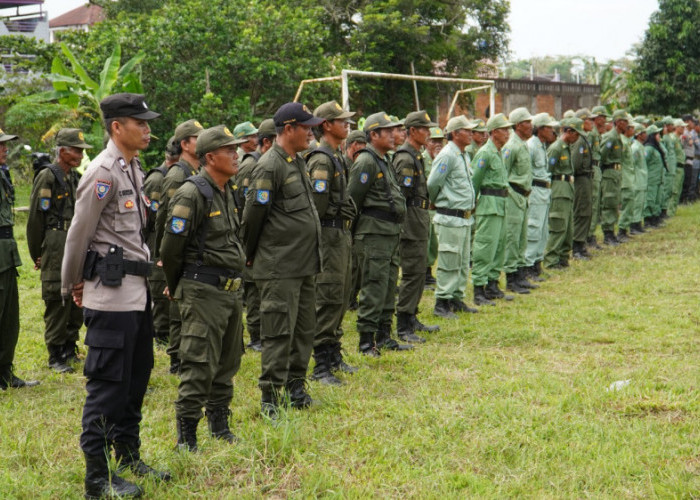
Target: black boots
{"points": [[622, 235], [480, 298], [296, 392], [593, 243], [255, 344], [174, 365], [187, 434], [460, 306], [384, 341], [580, 252], [513, 284], [217, 420], [270, 402], [129, 457], [493, 292], [610, 239], [101, 483], [443, 309], [322, 369], [420, 327], [367, 345], [337, 362], [8, 380], [57, 359], [70, 352], [429, 278], [406, 330]]}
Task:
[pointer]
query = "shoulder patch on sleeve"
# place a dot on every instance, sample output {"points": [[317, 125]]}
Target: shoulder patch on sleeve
{"points": [[481, 163], [45, 204], [177, 225], [181, 211], [262, 196], [102, 188], [553, 161], [364, 177], [171, 192], [320, 185]]}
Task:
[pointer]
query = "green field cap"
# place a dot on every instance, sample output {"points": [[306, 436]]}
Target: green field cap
{"points": [[519, 115], [600, 111], [497, 121], [356, 136], [190, 128], [214, 138], [457, 123], [544, 120], [244, 129], [332, 111], [72, 137], [621, 114], [569, 113], [379, 120], [436, 133], [267, 128], [653, 129], [573, 123], [418, 119], [584, 114]]}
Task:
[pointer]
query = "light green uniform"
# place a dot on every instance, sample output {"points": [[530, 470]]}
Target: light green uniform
{"points": [[594, 141], [490, 181], [670, 177], [450, 187], [627, 185], [539, 200], [516, 157], [611, 150], [655, 176], [640, 180], [677, 187], [432, 238], [561, 214], [582, 163]]}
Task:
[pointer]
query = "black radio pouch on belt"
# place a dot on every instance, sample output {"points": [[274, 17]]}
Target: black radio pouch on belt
{"points": [[90, 265], [111, 267]]}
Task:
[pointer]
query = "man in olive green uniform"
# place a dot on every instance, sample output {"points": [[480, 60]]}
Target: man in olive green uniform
{"points": [[656, 167], [490, 183], [153, 189], [451, 192], [540, 197], [415, 229], [640, 178], [432, 149], [50, 214], [611, 151], [282, 236], [680, 160], [561, 231], [627, 185], [600, 115], [249, 134], [382, 207], [203, 259], [328, 171], [671, 161], [266, 138], [356, 140], [516, 157], [186, 136], [479, 137], [9, 262], [582, 163]]}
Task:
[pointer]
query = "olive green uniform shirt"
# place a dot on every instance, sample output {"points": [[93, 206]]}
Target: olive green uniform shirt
{"points": [[50, 214], [594, 143], [245, 172], [628, 174], [9, 254], [410, 171], [374, 187], [516, 157], [153, 189], [581, 156], [330, 189], [187, 212], [611, 148], [175, 178], [281, 224]]}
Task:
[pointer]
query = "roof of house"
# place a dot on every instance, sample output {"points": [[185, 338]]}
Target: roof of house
{"points": [[87, 14]]}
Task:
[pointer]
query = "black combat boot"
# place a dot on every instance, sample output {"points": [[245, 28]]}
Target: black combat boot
{"points": [[420, 327], [533, 274], [70, 352], [429, 278], [664, 214], [513, 284], [522, 280], [299, 398], [187, 434], [162, 339], [593, 243], [174, 365], [610, 239], [622, 236], [580, 252], [101, 483], [129, 457], [255, 343], [367, 345], [537, 266], [322, 368], [217, 420], [640, 228], [354, 304], [404, 329], [338, 364], [57, 359], [443, 309], [635, 229], [494, 292], [459, 306], [8, 379], [270, 403], [384, 340], [480, 298]]}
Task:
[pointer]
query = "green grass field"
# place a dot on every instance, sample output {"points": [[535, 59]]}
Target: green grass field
{"points": [[511, 402]]}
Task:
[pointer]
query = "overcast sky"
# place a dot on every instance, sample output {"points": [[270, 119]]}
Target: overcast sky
{"points": [[605, 29]]}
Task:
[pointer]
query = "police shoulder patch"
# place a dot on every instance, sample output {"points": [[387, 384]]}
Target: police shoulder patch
{"points": [[262, 196], [177, 225], [102, 188], [320, 185], [442, 168], [45, 203], [364, 177]]}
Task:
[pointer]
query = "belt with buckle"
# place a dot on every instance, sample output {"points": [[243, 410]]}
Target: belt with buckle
{"points": [[585, 174], [461, 214], [6, 233], [542, 184], [565, 178], [501, 193], [381, 215], [519, 189], [613, 166], [336, 223], [222, 278], [58, 226], [417, 202]]}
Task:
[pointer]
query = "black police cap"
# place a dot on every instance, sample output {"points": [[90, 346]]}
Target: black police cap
{"points": [[126, 105], [295, 113]]}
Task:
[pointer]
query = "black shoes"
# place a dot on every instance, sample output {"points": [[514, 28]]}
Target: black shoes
{"points": [[12, 381], [129, 458], [299, 399], [493, 292], [337, 362], [384, 341], [513, 284], [459, 306], [368, 346], [254, 345], [610, 239]]}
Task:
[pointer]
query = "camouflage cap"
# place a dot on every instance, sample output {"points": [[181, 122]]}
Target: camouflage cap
{"points": [[171, 148], [573, 123], [584, 114], [356, 136], [479, 125], [214, 138], [71, 137], [519, 115], [600, 111], [190, 128], [379, 120], [457, 123], [267, 128], [497, 121], [544, 120], [244, 129], [6, 137], [418, 119], [436, 133], [331, 110], [621, 114]]}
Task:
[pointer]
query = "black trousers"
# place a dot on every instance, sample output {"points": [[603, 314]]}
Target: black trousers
{"points": [[118, 366]]}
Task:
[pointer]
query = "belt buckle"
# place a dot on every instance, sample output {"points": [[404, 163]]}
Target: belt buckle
{"points": [[232, 284], [549, 184], [571, 179]]}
